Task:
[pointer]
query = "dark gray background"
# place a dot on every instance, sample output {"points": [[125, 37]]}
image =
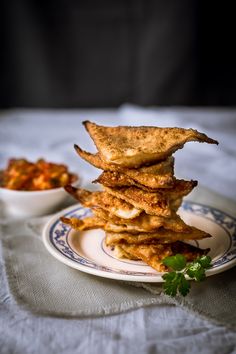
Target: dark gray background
{"points": [[104, 53]]}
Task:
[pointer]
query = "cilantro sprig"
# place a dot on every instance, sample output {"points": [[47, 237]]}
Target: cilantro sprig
{"points": [[175, 280]]}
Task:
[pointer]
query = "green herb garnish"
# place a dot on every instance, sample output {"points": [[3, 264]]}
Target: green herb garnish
{"points": [[175, 280]]}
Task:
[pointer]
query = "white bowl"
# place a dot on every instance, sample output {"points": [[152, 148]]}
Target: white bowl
{"points": [[31, 203]]}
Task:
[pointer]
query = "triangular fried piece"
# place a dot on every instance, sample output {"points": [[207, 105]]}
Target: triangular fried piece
{"points": [[105, 201], [118, 179], [160, 175], [149, 254], [154, 254], [88, 223], [161, 235], [136, 146], [180, 188], [158, 203], [151, 203], [145, 222], [120, 252], [94, 222]]}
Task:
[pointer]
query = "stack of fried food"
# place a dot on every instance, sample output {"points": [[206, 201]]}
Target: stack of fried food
{"points": [[137, 207]]}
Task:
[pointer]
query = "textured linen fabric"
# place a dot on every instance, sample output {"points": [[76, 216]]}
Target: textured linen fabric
{"points": [[155, 329], [42, 285]]}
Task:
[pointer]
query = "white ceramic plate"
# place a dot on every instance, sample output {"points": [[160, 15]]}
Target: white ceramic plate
{"points": [[86, 251]]}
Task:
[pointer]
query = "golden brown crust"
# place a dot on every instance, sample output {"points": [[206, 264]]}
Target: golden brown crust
{"points": [[104, 200], [120, 182], [88, 223], [136, 146], [159, 175], [154, 254], [148, 223], [180, 189], [118, 179], [94, 222], [158, 227], [175, 204], [151, 203], [161, 235], [150, 254], [120, 252]]}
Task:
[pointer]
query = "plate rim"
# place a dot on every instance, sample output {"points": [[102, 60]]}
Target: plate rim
{"points": [[119, 276]]}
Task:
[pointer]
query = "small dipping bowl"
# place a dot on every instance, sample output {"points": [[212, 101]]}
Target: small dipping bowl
{"points": [[31, 203]]}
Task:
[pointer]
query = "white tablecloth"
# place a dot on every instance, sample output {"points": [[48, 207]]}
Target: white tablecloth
{"points": [[159, 329]]}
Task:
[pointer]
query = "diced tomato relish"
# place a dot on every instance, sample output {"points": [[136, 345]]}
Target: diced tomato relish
{"points": [[21, 174]]}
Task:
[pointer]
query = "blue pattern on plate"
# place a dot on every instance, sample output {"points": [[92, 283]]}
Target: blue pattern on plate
{"points": [[227, 222], [58, 235]]}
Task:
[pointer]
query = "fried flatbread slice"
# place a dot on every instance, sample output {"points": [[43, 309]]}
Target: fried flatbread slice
{"points": [[120, 252], [151, 203], [157, 203], [136, 146], [160, 175], [88, 223], [145, 222], [117, 179], [149, 254], [94, 222], [180, 188], [153, 255], [123, 225], [161, 235], [105, 201]]}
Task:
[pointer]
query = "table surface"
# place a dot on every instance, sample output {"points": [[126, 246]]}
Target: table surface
{"points": [[157, 329]]}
